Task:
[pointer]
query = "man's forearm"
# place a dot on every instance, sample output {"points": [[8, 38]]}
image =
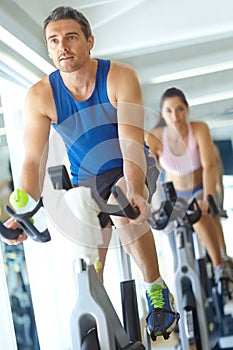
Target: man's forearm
{"points": [[32, 178], [135, 177], [134, 166]]}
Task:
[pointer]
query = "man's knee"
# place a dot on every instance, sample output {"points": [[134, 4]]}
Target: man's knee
{"points": [[130, 232]]}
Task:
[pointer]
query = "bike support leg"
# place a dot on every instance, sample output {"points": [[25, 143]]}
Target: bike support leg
{"points": [[94, 303], [199, 307], [185, 270]]}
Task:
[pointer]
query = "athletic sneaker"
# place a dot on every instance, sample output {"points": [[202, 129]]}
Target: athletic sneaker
{"points": [[228, 261], [224, 279], [162, 317]]}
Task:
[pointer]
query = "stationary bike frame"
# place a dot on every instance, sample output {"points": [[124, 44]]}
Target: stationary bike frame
{"points": [[182, 220], [97, 319], [99, 313]]}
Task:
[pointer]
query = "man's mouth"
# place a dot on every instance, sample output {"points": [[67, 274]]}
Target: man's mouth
{"points": [[65, 58]]}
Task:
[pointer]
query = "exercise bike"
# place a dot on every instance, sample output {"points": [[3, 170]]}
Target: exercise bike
{"points": [[195, 295], [95, 325]]}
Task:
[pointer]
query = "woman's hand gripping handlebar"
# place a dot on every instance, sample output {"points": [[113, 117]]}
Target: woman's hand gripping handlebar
{"points": [[175, 208]]}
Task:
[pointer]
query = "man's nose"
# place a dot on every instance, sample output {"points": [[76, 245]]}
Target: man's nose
{"points": [[63, 46]]}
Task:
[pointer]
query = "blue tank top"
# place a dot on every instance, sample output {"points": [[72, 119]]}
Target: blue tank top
{"points": [[88, 128]]}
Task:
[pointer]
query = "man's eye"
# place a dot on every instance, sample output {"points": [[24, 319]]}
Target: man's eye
{"points": [[72, 37]]}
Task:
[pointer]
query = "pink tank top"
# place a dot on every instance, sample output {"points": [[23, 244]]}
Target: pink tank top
{"points": [[182, 164]]}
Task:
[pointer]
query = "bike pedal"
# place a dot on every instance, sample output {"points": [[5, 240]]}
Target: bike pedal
{"points": [[165, 335], [224, 288]]}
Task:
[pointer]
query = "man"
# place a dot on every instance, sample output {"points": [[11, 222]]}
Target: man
{"points": [[97, 108]]}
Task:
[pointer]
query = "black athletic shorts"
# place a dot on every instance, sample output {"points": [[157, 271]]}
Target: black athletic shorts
{"points": [[101, 186]]}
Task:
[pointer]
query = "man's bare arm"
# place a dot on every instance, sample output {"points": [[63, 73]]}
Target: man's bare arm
{"points": [[130, 112], [36, 135]]}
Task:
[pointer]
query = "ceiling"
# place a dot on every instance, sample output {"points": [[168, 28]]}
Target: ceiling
{"points": [[182, 43]]}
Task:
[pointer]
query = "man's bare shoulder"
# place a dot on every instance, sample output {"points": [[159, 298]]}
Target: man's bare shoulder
{"points": [[121, 65], [40, 99], [41, 88], [123, 84], [121, 69]]}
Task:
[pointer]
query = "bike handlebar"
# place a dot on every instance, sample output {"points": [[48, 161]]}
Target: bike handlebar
{"points": [[158, 220], [213, 209], [26, 224], [8, 233], [60, 179], [178, 205], [124, 208]]}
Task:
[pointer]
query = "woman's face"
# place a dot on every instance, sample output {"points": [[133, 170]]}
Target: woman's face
{"points": [[174, 111]]}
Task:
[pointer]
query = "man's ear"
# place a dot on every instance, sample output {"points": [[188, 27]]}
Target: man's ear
{"points": [[90, 42]]}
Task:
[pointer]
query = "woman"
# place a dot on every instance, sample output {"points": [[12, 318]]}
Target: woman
{"points": [[185, 152]]}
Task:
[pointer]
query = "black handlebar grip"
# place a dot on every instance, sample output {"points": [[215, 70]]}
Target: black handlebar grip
{"points": [[212, 205], [27, 226], [169, 191], [158, 224], [160, 218], [9, 233], [194, 212], [126, 208]]}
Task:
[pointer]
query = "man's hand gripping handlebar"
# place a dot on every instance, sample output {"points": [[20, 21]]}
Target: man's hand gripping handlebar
{"points": [[60, 180], [26, 225]]}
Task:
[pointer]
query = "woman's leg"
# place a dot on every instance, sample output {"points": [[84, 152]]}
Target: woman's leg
{"points": [[208, 234]]}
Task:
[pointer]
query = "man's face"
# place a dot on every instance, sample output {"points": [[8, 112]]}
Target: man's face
{"points": [[67, 44]]}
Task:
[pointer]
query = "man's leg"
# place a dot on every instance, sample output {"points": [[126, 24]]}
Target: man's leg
{"points": [[102, 249], [143, 252], [138, 241]]}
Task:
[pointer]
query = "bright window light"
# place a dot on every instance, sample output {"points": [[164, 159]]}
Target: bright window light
{"points": [[220, 123], [25, 51], [194, 72], [15, 66], [225, 95]]}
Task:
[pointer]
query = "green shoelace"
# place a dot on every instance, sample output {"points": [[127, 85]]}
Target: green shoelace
{"points": [[156, 296]]}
